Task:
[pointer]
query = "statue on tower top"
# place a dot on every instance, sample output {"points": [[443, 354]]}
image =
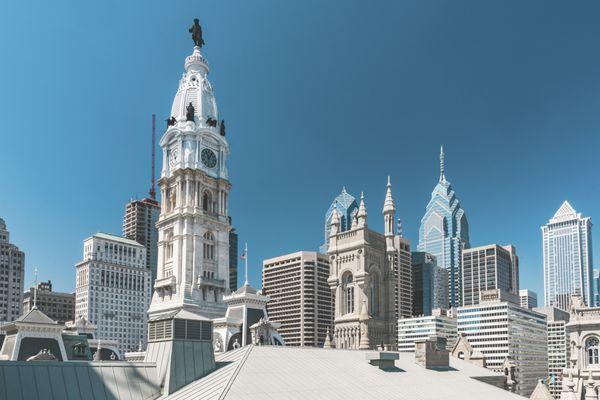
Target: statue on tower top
{"points": [[196, 31]]}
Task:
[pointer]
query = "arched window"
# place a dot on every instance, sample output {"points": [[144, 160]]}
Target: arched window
{"points": [[347, 294], [207, 202], [591, 349], [209, 246], [169, 245], [374, 293]]}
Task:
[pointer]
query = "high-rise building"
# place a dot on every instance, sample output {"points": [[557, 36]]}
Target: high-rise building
{"points": [[346, 207], [370, 276], [485, 268], [233, 260], [113, 288], [444, 232], [12, 276], [429, 284], [596, 288], [558, 346], [56, 305], [300, 296], [528, 298], [194, 225], [567, 247], [502, 330], [441, 323], [139, 224]]}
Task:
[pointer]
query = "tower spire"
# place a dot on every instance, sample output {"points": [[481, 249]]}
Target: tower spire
{"points": [[153, 185], [442, 176]]}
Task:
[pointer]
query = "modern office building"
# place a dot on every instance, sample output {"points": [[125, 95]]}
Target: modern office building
{"points": [[139, 225], [528, 298], [502, 330], [113, 289], [12, 276], [441, 323], [567, 248], [346, 206], [233, 260], [486, 268], [429, 284], [370, 278], [444, 232], [300, 296], [558, 346], [56, 305], [596, 288]]}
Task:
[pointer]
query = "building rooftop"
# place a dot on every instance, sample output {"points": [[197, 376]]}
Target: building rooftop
{"points": [[265, 372], [115, 238]]}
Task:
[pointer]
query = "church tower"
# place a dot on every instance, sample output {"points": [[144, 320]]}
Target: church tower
{"points": [[363, 280], [193, 226]]}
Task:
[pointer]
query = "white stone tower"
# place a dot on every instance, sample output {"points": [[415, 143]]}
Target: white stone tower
{"points": [[193, 227]]}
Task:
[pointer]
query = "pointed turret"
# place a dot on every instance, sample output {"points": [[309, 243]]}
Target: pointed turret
{"points": [[335, 223], [388, 210], [442, 176], [362, 211], [327, 344]]}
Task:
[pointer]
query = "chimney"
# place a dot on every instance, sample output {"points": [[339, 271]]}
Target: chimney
{"points": [[431, 353]]}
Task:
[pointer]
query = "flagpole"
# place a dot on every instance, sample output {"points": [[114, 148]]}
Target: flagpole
{"points": [[246, 262]]}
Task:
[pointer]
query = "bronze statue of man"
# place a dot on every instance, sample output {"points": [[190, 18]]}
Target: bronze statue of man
{"points": [[196, 31], [189, 115]]}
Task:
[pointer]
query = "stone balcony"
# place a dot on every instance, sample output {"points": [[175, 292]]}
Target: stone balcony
{"points": [[165, 282], [211, 282]]}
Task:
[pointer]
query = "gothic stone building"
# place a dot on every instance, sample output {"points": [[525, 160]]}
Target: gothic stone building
{"points": [[369, 279]]}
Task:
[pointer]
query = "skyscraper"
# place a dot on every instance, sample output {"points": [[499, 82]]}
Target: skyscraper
{"points": [[112, 289], [346, 207], [233, 259], [56, 305], [12, 276], [300, 296], [139, 224], [193, 226], [485, 268], [444, 232], [528, 298], [567, 248], [596, 288], [429, 284]]}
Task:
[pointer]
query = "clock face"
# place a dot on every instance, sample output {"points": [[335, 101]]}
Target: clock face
{"points": [[173, 156], [209, 158]]}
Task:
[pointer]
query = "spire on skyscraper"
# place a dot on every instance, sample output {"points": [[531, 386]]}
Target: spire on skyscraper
{"points": [[388, 204], [442, 176]]}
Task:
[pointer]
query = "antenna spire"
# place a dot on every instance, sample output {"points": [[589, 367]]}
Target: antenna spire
{"points": [[153, 186], [246, 262], [442, 176]]}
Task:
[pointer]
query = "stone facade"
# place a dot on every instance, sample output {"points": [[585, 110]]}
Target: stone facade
{"points": [[365, 280]]}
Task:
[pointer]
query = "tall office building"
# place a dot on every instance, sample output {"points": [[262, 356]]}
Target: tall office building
{"points": [[499, 328], [346, 206], [441, 323], [194, 225], [596, 288], [56, 305], [485, 268], [12, 276], [233, 260], [113, 289], [444, 232], [558, 346], [139, 225], [528, 298], [429, 284], [300, 296], [567, 247]]}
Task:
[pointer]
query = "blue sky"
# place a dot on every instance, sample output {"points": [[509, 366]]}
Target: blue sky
{"points": [[316, 95]]}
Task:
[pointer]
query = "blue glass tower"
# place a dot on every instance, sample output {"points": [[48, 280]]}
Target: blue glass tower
{"points": [[346, 206], [444, 232]]}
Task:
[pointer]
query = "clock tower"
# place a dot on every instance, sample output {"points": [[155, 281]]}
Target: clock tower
{"points": [[193, 227]]}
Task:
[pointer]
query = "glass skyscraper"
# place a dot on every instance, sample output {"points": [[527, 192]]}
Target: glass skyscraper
{"points": [[346, 206], [444, 232], [567, 247]]}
